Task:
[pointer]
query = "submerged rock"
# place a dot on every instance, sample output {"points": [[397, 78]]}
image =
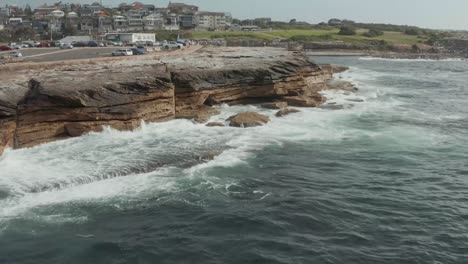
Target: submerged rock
{"points": [[332, 107], [341, 85], [356, 100], [215, 124], [275, 105], [248, 119], [286, 111], [304, 101]]}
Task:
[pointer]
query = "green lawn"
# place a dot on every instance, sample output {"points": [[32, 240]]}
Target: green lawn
{"points": [[309, 35]]}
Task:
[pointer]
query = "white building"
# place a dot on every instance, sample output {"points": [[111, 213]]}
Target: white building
{"points": [[15, 21], [210, 20], [131, 38], [153, 21], [120, 23]]}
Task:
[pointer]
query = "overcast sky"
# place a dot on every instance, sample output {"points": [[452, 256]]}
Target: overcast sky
{"points": [[442, 14]]}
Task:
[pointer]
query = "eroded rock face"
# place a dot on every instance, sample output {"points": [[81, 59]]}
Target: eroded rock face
{"points": [[64, 107], [41, 105], [248, 119], [257, 77]]}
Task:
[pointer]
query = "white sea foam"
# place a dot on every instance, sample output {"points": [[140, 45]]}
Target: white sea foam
{"points": [[410, 60]]}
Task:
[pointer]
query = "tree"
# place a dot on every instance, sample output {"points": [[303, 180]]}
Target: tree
{"points": [[347, 31], [28, 11], [293, 21], [69, 29]]}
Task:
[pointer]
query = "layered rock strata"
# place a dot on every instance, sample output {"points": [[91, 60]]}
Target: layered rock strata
{"points": [[39, 106]]}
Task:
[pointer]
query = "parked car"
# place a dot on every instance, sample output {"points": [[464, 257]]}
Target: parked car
{"points": [[118, 43], [93, 44], [122, 52], [5, 48], [15, 54], [172, 45], [17, 46], [44, 45], [66, 46], [138, 51], [102, 44], [79, 44]]}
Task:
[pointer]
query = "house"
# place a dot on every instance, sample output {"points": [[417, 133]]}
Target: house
{"points": [[104, 23], [187, 21], [5, 11], [87, 24], [135, 19], [181, 8], [172, 22], [210, 21], [40, 27], [72, 19], [41, 13], [90, 10], [120, 24], [153, 21]]}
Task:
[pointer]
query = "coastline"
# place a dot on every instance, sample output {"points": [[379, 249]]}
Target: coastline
{"points": [[383, 54], [69, 100]]}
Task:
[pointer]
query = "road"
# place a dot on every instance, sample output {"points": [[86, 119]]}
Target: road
{"points": [[56, 54]]}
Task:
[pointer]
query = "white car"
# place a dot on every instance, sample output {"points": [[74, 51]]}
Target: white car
{"points": [[122, 52], [15, 54], [172, 45], [66, 46]]}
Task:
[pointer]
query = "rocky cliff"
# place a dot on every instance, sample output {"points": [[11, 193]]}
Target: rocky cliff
{"points": [[65, 101]]}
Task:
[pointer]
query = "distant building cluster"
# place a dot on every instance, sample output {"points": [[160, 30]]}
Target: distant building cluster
{"points": [[94, 19]]}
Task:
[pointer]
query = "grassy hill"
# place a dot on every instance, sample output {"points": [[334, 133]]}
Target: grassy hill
{"points": [[312, 35]]}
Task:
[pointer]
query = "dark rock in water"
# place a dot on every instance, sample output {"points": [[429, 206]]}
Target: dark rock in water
{"points": [[332, 107], [286, 111], [340, 85], [215, 124], [339, 68], [248, 119], [303, 101], [199, 114], [209, 155], [275, 105], [357, 100]]}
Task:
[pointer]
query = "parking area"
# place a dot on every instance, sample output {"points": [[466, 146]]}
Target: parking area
{"points": [[56, 54], [71, 54], [32, 51]]}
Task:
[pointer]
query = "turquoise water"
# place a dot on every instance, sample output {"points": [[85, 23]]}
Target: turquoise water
{"points": [[384, 180]]}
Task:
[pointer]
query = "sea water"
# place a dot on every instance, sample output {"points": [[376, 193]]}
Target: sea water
{"points": [[382, 180]]}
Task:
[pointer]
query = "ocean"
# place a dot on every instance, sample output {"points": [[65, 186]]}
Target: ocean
{"points": [[382, 179]]}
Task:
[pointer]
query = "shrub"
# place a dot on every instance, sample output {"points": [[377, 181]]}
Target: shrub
{"points": [[415, 48], [413, 31], [347, 31], [373, 33]]}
